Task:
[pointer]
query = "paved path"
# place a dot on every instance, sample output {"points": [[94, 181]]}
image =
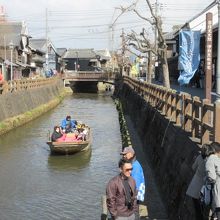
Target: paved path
{"points": [[155, 208], [191, 90]]}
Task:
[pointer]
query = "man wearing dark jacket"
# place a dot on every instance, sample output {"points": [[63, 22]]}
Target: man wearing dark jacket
{"points": [[121, 195]]}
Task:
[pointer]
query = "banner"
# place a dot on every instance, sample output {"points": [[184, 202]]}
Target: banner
{"points": [[189, 55]]}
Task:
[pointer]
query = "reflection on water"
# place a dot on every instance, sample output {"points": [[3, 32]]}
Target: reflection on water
{"points": [[37, 185], [69, 162]]}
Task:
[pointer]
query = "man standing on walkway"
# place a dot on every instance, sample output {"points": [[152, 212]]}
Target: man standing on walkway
{"points": [[137, 172], [121, 193]]}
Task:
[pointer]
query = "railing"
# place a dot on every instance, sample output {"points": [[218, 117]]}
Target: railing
{"points": [[198, 117], [88, 76], [23, 84]]}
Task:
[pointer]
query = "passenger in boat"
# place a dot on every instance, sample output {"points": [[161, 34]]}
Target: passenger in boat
{"points": [[57, 134], [85, 131], [80, 129], [68, 125], [82, 132], [71, 137]]}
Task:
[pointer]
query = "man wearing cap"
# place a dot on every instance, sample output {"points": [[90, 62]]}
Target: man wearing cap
{"points": [[137, 172]]}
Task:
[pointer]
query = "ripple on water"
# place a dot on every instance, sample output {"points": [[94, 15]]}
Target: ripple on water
{"points": [[37, 185]]}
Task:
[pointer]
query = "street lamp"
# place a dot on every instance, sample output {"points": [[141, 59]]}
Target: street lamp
{"points": [[11, 47]]}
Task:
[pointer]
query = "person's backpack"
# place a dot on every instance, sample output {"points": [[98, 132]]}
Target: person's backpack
{"points": [[206, 194]]}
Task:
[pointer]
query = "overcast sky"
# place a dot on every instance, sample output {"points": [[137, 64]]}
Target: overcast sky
{"points": [[85, 23]]}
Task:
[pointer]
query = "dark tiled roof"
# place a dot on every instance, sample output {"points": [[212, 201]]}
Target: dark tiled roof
{"points": [[80, 53], [38, 44], [10, 32], [61, 51], [104, 54]]}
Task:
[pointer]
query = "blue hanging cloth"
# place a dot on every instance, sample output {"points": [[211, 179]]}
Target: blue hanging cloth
{"points": [[189, 55]]}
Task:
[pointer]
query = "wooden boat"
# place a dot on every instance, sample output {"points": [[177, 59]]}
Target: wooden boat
{"points": [[70, 147]]}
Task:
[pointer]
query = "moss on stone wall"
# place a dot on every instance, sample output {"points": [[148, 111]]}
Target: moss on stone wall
{"points": [[126, 141], [16, 121]]}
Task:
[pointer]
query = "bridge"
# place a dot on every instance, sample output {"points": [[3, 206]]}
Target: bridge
{"points": [[86, 81], [89, 76]]}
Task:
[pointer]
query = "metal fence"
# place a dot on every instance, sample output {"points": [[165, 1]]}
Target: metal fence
{"points": [[200, 118]]}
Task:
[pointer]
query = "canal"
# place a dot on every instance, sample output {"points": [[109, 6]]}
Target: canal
{"points": [[37, 185]]}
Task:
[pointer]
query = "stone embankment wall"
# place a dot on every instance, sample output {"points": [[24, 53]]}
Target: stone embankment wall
{"points": [[19, 107], [169, 150]]}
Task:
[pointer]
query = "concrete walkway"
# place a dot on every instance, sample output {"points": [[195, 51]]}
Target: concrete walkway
{"points": [[191, 90], [154, 209]]}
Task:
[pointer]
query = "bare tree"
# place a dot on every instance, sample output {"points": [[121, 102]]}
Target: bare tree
{"points": [[159, 50], [142, 44]]}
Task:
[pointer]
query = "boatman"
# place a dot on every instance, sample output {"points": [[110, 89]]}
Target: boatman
{"points": [[68, 125]]}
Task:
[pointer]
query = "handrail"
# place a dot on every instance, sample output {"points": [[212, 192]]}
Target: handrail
{"points": [[24, 84], [198, 117], [88, 75]]}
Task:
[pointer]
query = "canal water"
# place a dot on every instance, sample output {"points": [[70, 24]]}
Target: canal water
{"points": [[37, 185]]}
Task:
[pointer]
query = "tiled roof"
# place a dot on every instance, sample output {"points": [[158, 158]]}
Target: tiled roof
{"points": [[80, 53], [104, 54], [38, 44], [61, 51], [10, 32]]}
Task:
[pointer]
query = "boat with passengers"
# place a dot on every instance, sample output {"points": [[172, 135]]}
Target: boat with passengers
{"points": [[77, 140]]}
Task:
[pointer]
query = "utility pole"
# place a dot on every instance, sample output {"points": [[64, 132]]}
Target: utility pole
{"points": [[11, 47], [113, 37], [5, 48], [218, 57], [123, 50], [112, 29], [155, 40], [46, 56], [156, 13]]}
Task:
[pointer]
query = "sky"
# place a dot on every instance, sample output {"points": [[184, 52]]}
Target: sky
{"points": [[87, 23]]}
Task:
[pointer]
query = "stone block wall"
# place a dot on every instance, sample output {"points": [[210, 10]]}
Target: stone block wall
{"points": [[15, 103]]}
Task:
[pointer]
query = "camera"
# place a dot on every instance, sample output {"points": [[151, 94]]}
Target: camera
{"points": [[129, 204]]}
